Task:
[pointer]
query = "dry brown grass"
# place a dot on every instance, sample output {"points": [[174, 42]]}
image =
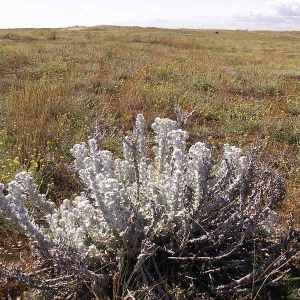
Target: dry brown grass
{"points": [[54, 85]]}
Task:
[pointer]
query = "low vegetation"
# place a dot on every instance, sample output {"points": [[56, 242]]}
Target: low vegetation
{"points": [[171, 224], [58, 86]]}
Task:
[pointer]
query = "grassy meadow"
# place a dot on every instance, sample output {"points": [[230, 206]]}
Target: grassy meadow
{"points": [[57, 85]]}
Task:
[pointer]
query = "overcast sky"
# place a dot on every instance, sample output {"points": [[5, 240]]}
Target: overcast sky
{"points": [[232, 14]]}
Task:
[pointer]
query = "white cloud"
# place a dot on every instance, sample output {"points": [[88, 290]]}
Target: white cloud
{"points": [[275, 15], [288, 8], [232, 14]]}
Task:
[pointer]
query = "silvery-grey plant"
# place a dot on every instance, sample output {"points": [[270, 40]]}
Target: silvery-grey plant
{"points": [[152, 212]]}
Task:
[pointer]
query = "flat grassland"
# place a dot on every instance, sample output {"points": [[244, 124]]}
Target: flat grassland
{"points": [[55, 85]]}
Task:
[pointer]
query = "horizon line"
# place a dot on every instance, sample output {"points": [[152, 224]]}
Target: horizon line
{"points": [[153, 27]]}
